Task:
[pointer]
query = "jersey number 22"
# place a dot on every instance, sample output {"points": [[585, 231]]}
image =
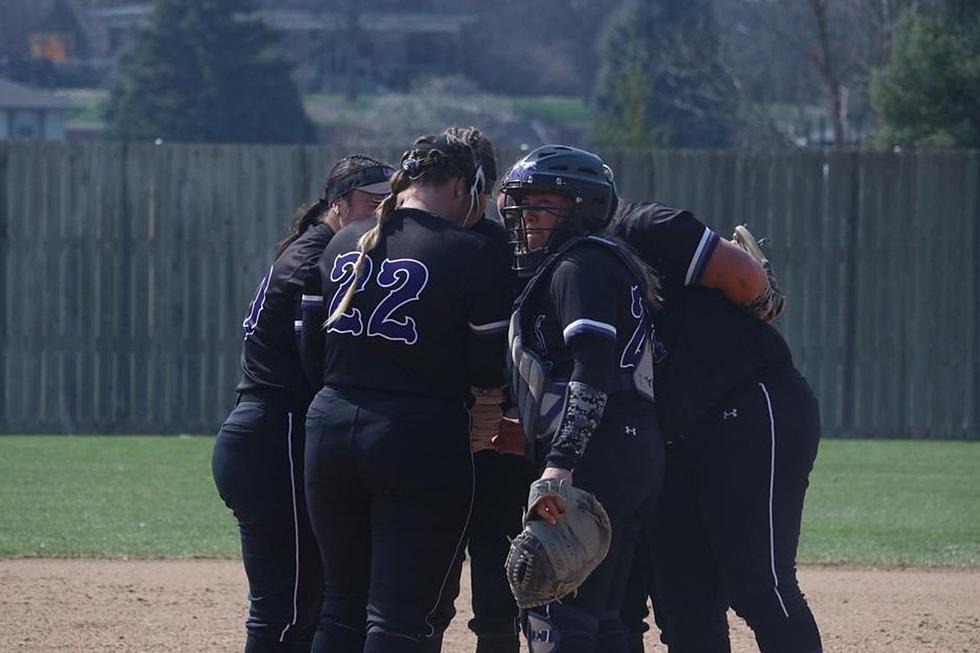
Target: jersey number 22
{"points": [[405, 279]]}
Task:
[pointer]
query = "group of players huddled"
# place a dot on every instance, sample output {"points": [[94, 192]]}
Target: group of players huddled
{"points": [[411, 365]]}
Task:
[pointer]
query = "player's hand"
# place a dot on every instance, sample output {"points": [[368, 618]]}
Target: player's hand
{"points": [[509, 437], [548, 508]]}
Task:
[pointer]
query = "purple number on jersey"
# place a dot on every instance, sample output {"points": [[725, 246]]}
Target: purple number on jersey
{"points": [[343, 271], [633, 352], [255, 308], [407, 279]]}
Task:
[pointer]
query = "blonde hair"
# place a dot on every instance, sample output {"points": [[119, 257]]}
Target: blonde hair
{"points": [[432, 161]]}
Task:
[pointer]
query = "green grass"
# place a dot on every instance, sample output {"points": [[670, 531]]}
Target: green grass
{"points": [[894, 502], [555, 110], [333, 109], [87, 103], [870, 502], [111, 496]]}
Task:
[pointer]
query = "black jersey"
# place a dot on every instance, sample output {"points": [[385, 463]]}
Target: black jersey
{"points": [[671, 241], [586, 289], [494, 232], [430, 314], [712, 345], [590, 291], [270, 357]]}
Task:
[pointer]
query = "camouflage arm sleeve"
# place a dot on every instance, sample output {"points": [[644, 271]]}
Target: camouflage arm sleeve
{"points": [[584, 405]]}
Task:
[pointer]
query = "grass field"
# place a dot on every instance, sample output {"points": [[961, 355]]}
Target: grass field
{"points": [[334, 109], [898, 502]]}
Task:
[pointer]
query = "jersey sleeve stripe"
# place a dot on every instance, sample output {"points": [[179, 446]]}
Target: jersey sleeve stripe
{"points": [[490, 327], [583, 325], [709, 240], [312, 299]]}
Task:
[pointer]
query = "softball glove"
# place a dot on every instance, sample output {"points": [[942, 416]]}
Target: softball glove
{"points": [[771, 302], [549, 561]]}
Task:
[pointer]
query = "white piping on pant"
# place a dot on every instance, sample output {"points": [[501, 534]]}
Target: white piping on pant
{"points": [[462, 535], [292, 487], [772, 480]]}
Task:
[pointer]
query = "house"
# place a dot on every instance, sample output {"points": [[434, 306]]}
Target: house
{"points": [[29, 113]]}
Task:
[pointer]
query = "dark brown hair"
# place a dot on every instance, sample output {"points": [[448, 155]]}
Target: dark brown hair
{"points": [[311, 213]]}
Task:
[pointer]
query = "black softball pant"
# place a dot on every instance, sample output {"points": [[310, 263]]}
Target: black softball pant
{"points": [[726, 529], [257, 464], [502, 484], [623, 467], [389, 484]]}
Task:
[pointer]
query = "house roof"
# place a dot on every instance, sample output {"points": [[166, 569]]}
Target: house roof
{"points": [[18, 96]]}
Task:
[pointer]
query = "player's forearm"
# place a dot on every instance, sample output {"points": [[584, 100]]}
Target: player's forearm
{"points": [[585, 399], [582, 413]]}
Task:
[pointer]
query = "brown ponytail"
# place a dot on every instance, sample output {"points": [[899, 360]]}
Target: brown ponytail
{"points": [[305, 217]]}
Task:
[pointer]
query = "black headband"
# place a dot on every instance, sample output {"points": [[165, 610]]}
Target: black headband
{"points": [[375, 174]]}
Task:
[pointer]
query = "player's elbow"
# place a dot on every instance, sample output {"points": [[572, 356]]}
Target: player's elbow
{"points": [[736, 274], [751, 283]]}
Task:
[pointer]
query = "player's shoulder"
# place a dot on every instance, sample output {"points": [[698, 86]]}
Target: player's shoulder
{"points": [[646, 214], [479, 238], [306, 248], [312, 241], [593, 257], [347, 237], [490, 228]]}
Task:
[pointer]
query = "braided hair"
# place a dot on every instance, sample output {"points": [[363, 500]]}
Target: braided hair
{"points": [[431, 161], [312, 213]]}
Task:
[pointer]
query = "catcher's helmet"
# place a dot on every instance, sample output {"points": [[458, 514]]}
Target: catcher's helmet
{"points": [[580, 176]]}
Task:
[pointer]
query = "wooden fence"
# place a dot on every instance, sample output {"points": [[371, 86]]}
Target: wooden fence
{"points": [[126, 270]]}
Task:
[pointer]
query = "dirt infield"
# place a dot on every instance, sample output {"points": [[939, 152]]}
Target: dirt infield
{"points": [[200, 605]]}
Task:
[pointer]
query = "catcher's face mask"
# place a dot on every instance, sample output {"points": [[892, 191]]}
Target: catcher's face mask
{"points": [[531, 218]]}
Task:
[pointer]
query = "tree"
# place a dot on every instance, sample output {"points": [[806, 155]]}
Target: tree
{"points": [[805, 61], [929, 93], [203, 71], [661, 79]]}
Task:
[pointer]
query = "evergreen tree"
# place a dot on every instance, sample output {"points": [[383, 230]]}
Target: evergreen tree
{"points": [[203, 71], [929, 93], [661, 80]]}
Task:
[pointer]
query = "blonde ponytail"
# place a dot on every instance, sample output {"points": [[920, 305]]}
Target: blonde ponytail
{"points": [[367, 242]]}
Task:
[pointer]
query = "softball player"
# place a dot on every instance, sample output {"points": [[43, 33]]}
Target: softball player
{"points": [[582, 356], [257, 461], [503, 475], [502, 478], [742, 428], [416, 317]]}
